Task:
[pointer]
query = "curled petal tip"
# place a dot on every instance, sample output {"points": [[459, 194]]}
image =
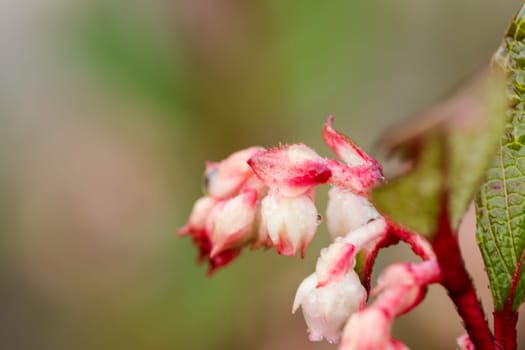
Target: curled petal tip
{"points": [[345, 148]]}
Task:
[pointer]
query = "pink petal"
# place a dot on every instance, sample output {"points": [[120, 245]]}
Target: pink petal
{"points": [[345, 148], [291, 170]]}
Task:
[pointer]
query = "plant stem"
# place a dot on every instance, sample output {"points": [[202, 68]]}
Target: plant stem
{"points": [[457, 282], [505, 322]]}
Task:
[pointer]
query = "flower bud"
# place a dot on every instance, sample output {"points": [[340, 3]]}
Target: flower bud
{"points": [[291, 170], [327, 308], [290, 222], [369, 330], [402, 286], [464, 343], [347, 211], [224, 179], [201, 209], [230, 223]]}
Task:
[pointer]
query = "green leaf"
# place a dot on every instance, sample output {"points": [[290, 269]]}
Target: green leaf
{"points": [[448, 147], [500, 206]]}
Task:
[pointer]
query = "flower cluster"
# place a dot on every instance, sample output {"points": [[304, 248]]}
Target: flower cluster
{"points": [[265, 198]]}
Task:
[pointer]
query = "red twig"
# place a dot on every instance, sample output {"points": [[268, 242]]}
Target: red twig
{"points": [[457, 282]]}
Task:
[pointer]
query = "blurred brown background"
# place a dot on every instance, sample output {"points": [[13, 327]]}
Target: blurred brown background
{"points": [[108, 110]]}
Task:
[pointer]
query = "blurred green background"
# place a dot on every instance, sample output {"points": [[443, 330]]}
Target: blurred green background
{"points": [[110, 108]]}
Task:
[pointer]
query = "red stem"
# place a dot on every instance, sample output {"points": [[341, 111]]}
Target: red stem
{"points": [[457, 282], [505, 322]]}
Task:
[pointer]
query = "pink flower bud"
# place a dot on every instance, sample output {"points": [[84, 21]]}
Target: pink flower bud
{"points": [[224, 179], [402, 286], [291, 170], [369, 330], [201, 209], [464, 343], [290, 222], [230, 223], [327, 308], [347, 211]]}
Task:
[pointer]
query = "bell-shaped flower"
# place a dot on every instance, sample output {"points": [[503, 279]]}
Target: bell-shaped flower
{"points": [[289, 222], [230, 223], [225, 178], [326, 309], [196, 225], [369, 329], [347, 211], [291, 170], [200, 212]]}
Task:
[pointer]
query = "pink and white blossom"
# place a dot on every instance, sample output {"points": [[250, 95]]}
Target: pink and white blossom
{"points": [[230, 223], [289, 222], [290, 170], [369, 329], [225, 178], [327, 308], [347, 211], [200, 212], [464, 343]]}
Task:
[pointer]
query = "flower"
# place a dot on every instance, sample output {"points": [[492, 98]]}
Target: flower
{"points": [[230, 223], [290, 170], [347, 211], [289, 222], [222, 222], [201, 209], [225, 178], [369, 329], [327, 308], [464, 343]]}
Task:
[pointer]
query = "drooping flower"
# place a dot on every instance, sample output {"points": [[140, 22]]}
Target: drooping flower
{"points": [[347, 211], [230, 223], [289, 222], [222, 222], [327, 308], [369, 330], [225, 178], [400, 288]]}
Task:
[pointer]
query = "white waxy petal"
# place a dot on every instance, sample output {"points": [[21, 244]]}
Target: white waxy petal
{"points": [[347, 211], [290, 222]]}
